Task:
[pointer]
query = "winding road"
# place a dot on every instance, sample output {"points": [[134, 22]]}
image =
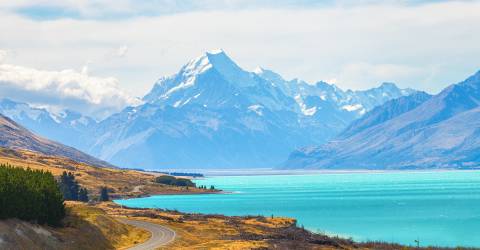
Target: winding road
{"points": [[161, 235]]}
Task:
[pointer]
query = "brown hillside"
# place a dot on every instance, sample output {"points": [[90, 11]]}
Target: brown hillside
{"points": [[121, 183], [85, 227], [14, 136]]}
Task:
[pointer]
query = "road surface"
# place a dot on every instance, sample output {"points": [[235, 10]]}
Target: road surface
{"points": [[136, 189], [161, 235]]}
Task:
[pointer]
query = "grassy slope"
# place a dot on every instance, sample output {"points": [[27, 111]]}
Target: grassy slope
{"points": [[122, 183], [15, 136], [94, 226], [90, 228], [85, 227]]}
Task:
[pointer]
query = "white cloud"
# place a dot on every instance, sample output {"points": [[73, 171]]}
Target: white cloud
{"points": [[3, 55], [393, 42], [69, 89], [121, 51], [359, 75]]}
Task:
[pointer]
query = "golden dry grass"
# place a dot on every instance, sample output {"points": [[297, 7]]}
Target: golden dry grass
{"points": [[95, 226], [198, 232], [90, 228], [121, 183], [85, 227]]}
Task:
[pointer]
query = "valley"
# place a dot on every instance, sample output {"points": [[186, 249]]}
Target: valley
{"points": [[239, 125], [97, 224]]}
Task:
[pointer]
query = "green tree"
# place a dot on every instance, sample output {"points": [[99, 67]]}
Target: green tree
{"points": [[30, 195], [172, 181], [104, 196], [69, 186], [83, 195]]}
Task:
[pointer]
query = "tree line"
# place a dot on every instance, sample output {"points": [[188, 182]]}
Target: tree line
{"points": [[172, 181], [36, 196], [212, 187], [72, 191], [31, 195]]}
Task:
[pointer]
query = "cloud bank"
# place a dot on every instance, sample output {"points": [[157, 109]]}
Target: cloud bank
{"points": [[358, 43], [69, 89]]}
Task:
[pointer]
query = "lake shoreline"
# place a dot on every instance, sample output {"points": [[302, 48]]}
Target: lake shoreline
{"points": [[342, 202], [280, 233], [272, 171]]}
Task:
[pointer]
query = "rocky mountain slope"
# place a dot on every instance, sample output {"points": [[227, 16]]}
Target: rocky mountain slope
{"points": [[210, 114], [68, 127], [14, 136], [214, 114], [418, 131]]}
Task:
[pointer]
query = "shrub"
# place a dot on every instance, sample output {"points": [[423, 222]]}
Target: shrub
{"points": [[172, 181], [104, 196]]}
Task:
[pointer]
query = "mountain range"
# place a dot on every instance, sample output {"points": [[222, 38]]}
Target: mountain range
{"points": [[211, 114], [413, 132], [14, 136], [66, 126]]}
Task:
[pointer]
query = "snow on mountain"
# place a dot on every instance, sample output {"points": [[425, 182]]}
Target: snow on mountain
{"points": [[212, 113], [358, 102], [385, 112], [15, 136], [216, 66], [417, 131], [65, 126]]}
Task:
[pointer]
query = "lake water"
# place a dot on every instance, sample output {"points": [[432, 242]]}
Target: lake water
{"points": [[438, 208]]}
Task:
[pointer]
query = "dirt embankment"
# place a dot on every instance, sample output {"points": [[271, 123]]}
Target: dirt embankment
{"points": [[85, 227]]}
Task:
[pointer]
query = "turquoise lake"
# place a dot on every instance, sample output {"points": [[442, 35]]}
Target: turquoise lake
{"points": [[438, 208]]}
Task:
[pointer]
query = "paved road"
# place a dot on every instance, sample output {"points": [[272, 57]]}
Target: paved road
{"points": [[136, 189], [161, 235]]}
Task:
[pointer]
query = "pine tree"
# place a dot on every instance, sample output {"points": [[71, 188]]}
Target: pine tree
{"points": [[70, 188], [64, 186], [30, 195], [74, 187], [83, 195], [104, 194]]}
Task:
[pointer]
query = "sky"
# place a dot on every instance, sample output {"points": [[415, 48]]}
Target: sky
{"points": [[104, 55]]}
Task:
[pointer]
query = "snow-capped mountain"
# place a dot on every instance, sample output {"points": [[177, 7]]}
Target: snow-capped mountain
{"points": [[358, 102], [15, 136], [212, 113], [385, 112], [417, 131], [69, 127]]}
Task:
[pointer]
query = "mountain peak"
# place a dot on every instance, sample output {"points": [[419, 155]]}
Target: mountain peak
{"points": [[215, 52], [216, 58], [258, 70], [223, 64], [221, 61], [390, 85], [268, 74], [211, 65]]}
